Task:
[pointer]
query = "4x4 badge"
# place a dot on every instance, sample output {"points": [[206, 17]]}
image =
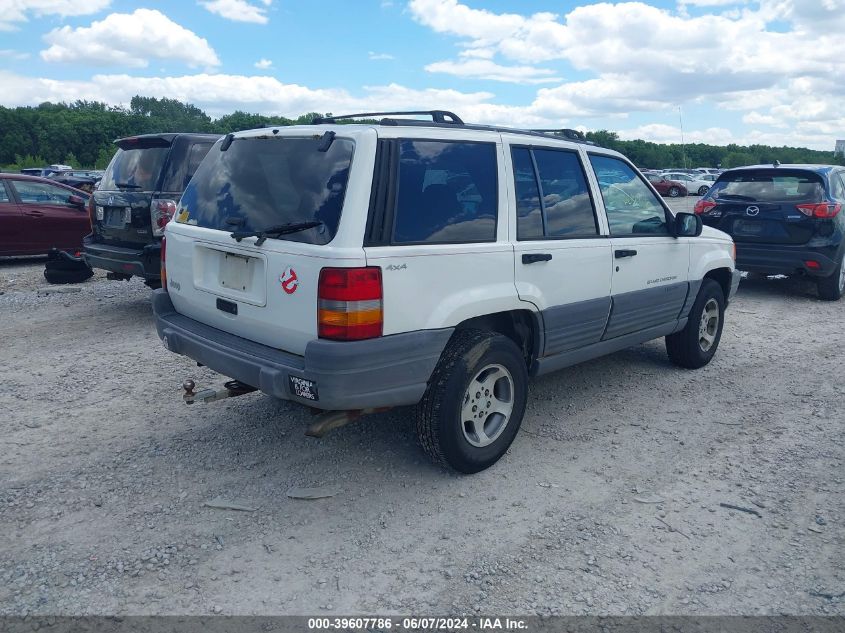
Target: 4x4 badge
{"points": [[290, 282], [752, 210]]}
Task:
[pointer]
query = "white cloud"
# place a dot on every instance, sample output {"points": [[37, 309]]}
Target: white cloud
{"points": [[485, 69], [639, 57], [238, 10], [661, 133], [379, 56], [8, 53], [14, 11], [263, 64], [129, 40]]}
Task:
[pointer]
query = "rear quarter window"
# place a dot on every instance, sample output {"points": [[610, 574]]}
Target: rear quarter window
{"points": [[446, 192]]}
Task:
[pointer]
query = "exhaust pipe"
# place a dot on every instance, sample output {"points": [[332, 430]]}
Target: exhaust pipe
{"points": [[331, 420]]}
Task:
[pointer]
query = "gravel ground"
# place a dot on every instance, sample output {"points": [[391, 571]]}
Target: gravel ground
{"points": [[609, 501]]}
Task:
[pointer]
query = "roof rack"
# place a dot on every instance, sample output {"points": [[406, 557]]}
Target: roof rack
{"points": [[568, 133], [437, 116], [446, 119]]}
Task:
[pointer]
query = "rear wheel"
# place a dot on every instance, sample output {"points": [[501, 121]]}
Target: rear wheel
{"points": [[702, 190], [832, 287], [474, 403], [695, 345], [674, 192]]}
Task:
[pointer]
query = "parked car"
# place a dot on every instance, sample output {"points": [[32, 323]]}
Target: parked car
{"points": [[137, 197], [709, 170], [37, 215], [785, 219], [666, 187], [692, 182], [79, 179], [338, 267]]}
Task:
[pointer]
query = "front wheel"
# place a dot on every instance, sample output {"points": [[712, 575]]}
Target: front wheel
{"points": [[695, 345], [832, 287], [475, 401]]}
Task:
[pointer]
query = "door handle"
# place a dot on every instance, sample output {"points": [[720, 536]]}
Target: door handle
{"points": [[533, 258], [624, 253], [35, 214]]}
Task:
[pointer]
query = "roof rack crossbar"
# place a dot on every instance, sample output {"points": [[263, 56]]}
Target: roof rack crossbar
{"points": [[437, 116], [566, 132]]}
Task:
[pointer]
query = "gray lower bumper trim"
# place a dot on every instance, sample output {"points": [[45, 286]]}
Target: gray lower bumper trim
{"points": [[382, 372], [735, 277]]}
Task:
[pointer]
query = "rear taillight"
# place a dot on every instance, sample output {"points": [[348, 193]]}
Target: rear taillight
{"points": [[164, 263], [820, 209], [703, 206], [350, 303], [163, 211]]}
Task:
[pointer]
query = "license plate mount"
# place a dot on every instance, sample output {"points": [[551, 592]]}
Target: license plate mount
{"points": [[234, 272]]}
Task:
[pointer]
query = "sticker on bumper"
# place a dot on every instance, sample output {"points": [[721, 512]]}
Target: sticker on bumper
{"points": [[303, 388]]}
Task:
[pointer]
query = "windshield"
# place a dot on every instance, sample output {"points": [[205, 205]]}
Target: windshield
{"points": [[134, 169], [264, 182], [769, 186]]}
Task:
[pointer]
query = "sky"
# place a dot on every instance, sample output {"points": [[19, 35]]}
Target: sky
{"points": [[711, 71]]}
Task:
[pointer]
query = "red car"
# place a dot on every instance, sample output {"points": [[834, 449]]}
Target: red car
{"points": [[671, 188], [37, 215]]}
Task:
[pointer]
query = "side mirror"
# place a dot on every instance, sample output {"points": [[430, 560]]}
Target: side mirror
{"points": [[688, 225], [76, 201]]}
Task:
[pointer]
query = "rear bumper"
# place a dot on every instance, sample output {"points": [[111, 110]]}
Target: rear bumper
{"points": [[382, 372], [776, 259], [144, 262]]}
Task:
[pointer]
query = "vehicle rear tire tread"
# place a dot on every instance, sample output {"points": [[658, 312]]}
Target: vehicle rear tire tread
{"points": [[465, 345]]}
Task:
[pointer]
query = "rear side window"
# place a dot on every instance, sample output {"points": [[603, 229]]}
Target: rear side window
{"points": [[769, 185], [4, 196], [136, 169], [554, 201], [447, 193], [258, 183], [631, 206], [31, 192]]}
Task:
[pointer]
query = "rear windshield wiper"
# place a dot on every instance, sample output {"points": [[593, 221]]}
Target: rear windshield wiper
{"points": [[275, 231], [734, 196], [126, 185]]}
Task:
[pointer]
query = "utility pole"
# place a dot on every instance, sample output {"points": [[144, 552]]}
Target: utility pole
{"points": [[683, 150]]}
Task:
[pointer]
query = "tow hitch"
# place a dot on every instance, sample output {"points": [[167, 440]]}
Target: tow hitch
{"points": [[230, 390], [323, 422]]}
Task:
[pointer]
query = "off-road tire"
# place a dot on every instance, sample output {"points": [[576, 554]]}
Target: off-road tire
{"points": [[438, 415], [684, 347], [831, 287]]}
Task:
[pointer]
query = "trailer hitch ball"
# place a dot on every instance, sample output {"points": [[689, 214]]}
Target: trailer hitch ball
{"points": [[188, 385]]}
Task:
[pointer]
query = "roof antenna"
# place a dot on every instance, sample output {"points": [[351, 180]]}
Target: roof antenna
{"points": [[776, 163]]}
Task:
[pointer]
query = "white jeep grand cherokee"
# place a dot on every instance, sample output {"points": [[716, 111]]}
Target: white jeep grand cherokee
{"points": [[430, 263]]}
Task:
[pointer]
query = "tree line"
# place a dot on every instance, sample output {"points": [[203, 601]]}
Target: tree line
{"points": [[80, 134]]}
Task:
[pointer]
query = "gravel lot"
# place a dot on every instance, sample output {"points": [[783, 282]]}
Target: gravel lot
{"points": [[607, 503]]}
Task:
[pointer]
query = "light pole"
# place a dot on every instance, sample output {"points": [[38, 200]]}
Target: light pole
{"points": [[683, 150]]}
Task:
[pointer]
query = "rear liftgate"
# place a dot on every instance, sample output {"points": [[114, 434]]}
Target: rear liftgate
{"points": [[324, 421]]}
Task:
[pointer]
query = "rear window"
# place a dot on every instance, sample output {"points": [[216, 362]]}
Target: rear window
{"points": [[134, 169], [263, 182], [769, 186]]}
